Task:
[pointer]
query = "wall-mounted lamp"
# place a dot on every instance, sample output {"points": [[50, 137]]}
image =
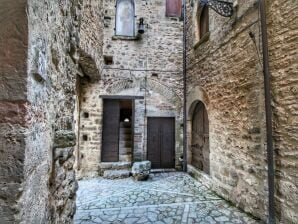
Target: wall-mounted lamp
{"points": [[223, 8], [141, 29]]}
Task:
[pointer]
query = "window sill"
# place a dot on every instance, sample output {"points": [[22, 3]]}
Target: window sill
{"points": [[117, 37], [202, 40]]}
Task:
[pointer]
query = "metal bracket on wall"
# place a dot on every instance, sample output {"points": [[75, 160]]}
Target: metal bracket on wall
{"points": [[223, 8]]}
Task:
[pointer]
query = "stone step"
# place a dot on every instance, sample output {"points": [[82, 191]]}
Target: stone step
{"points": [[125, 125], [116, 174], [114, 165], [125, 131], [125, 150], [125, 158], [125, 144], [125, 137], [167, 170]]}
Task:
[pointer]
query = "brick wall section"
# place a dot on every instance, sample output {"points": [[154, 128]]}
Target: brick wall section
{"points": [[159, 51], [283, 41], [226, 68]]}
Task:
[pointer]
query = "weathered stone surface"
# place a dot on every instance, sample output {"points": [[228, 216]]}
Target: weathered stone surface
{"points": [[13, 104], [116, 174], [152, 62], [13, 45], [49, 184], [283, 41], [64, 139], [141, 170], [224, 72]]}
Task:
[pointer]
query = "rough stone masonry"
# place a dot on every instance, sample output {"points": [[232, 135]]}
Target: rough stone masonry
{"points": [[224, 72], [38, 44], [58, 58], [149, 66]]}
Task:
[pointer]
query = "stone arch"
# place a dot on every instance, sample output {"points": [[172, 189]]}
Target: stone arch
{"points": [[119, 86], [195, 96], [126, 84], [165, 91]]}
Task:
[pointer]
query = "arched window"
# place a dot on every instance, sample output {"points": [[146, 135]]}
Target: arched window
{"points": [[125, 18], [204, 21]]}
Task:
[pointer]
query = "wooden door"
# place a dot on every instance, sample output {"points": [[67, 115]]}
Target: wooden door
{"points": [[200, 138], [110, 131], [161, 142]]}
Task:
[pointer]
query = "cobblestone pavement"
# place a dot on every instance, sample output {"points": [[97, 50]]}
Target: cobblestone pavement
{"points": [[165, 198]]}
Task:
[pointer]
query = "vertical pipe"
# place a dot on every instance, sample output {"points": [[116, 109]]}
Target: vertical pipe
{"points": [[78, 95], [184, 91], [270, 150]]}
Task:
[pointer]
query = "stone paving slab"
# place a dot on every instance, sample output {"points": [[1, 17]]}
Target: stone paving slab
{"points": [[165, 198]]}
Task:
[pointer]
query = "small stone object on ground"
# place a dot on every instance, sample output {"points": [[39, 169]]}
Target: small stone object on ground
{"points": [[141, 170]]}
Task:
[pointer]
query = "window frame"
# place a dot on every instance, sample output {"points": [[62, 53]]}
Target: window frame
{"points": [[203, 21], [171, 15], [134, 20], [196, 18]]}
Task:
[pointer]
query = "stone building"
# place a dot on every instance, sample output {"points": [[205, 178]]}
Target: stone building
{"points": [[140, 88], [92, 85], [225, 103]]}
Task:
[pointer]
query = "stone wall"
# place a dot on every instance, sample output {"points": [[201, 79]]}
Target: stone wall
{"points": [[50, 184], [225, 73], [13, 104], [155, 56], [226, 70], [283, 41], [38, 73], [91, 39]]}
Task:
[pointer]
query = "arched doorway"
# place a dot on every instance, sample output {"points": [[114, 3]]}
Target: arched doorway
{"points": [[200, 138]]}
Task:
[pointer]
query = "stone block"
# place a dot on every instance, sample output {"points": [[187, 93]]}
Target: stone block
{"points": [[116, 174], [141, 170], [64, 139]]}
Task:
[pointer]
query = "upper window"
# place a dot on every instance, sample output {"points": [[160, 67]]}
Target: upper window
{"points": [[173, 8], [125, 18], [204, 21]]}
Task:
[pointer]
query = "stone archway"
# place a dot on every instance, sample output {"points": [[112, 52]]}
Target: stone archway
{"points": [[134, 86], [200, 138], [197, 107]]}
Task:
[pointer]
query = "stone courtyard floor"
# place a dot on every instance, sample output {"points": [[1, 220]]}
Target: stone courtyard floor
{"points": [[165, 198]]}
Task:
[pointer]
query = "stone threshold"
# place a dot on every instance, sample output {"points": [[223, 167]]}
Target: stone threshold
{"points": [[162, 170]]}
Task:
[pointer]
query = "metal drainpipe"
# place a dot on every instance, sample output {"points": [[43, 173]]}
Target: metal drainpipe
{"points": [[184, 91], [270, 150]]}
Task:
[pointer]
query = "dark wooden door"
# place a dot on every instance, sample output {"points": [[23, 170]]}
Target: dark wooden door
{"points": [[161, 142], [110, 131], [200, 138]]}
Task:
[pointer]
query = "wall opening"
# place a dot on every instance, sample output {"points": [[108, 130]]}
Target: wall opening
{"points": [[200, 138], [125, 18], [117, 134]]}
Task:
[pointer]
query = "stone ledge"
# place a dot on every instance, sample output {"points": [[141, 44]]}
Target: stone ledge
{"points": [[202, 40], [117, 37]]}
